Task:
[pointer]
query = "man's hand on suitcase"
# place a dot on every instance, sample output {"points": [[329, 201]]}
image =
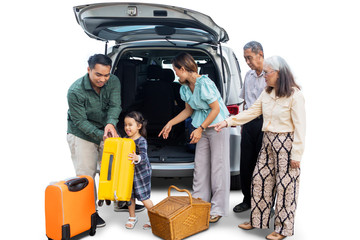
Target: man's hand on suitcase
{"points": [[109, 131]]}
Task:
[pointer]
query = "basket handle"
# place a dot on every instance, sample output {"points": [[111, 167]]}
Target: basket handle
{"points": [[180, 190]]}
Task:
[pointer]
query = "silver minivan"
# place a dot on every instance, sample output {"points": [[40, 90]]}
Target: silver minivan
{"points": [[145, 38]]}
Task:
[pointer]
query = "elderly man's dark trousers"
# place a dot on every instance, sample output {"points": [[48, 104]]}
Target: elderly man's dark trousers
{"points": [[251, 139]]}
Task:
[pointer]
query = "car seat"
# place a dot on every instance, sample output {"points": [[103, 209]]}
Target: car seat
{"points": [[127, 71], [158, 107], [210, 70]]}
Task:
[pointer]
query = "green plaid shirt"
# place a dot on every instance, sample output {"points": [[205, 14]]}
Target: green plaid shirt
{"points": [[89, 112]]}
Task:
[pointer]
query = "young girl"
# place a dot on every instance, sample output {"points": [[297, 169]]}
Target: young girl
{"points": [[135, 128]]}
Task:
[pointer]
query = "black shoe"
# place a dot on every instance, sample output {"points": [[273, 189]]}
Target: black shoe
{"points": [[138, 208], [99, 221], [241, 207]]}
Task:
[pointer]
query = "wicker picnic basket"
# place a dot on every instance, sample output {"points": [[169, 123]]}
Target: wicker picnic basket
{"points": [[177, 217]]}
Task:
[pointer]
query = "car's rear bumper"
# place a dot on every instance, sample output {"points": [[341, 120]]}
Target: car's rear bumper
{"points": [[172, 169]]}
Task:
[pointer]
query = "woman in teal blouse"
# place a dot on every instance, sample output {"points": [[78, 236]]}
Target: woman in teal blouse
{"points": [[205, 106]]}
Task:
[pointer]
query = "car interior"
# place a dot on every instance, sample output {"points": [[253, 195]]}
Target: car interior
{"points": [[149, 85]]}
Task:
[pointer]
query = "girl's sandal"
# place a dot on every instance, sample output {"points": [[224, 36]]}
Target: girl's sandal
{"points": [[147, 226], [131, 223]]}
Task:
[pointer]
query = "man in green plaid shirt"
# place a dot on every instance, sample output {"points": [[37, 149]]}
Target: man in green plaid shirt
{"points": [[94, 107]]}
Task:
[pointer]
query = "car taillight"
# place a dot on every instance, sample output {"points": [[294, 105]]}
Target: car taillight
{"points": [[233, 109]]}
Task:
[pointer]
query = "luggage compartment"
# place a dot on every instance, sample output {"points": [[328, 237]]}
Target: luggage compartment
{"points": [[150, 86]]}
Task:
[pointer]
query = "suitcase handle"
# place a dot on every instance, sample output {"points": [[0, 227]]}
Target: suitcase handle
{"points": [[77, 184], [111, 158], [180, 190]]}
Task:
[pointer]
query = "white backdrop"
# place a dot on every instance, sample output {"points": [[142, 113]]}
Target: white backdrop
{"points": [[43, 50]]}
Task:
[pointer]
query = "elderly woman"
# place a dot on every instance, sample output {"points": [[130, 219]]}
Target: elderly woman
{"points": [[277, 171]]}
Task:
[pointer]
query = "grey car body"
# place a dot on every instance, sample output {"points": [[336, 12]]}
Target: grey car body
{"points": [[146, 37]]}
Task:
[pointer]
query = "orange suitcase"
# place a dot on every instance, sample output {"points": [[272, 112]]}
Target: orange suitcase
{"points": [[116, 172], [70, 208]]}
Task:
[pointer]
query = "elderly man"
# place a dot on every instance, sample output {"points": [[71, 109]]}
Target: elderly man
{"points": [[94, 108], [251, 137]]}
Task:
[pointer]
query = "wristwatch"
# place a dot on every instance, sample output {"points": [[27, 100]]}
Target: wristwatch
{"points": [[202, 128]]}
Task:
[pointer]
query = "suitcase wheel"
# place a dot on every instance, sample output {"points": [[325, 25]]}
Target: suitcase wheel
{"points": [[65, 232], [108, 202], [100, 203], [93, 224], [92, 232]]}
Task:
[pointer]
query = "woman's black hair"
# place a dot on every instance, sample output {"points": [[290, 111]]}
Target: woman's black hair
{"points": [[138, 117]]}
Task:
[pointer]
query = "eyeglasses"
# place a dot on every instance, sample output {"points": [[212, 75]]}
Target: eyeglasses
{"points": [[266, 73]]}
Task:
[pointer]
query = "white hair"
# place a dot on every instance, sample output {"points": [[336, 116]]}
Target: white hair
{"points": [[276, 63]]}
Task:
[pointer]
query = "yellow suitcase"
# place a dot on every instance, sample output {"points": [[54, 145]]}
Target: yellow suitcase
{"points": [[116, 171]]}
